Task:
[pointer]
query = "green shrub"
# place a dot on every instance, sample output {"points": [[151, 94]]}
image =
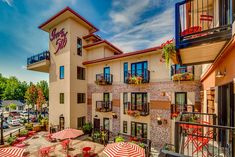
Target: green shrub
{"points": [[142, 145], [11, 140], [97, 134], [44, 121], [24, 132], [87, 128], [119, 139], [29, 126]]}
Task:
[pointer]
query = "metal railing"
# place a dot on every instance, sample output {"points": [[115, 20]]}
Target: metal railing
{"points": [[197, 117], [200, 18], [137, 76], [39, 57], [176, 109], [104, 79], [142, 108], [104, 106], [197, 139]]}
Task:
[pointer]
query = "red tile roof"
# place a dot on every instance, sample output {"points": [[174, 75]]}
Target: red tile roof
{"points": [[103, 41], [123, 55], [63, 11]]}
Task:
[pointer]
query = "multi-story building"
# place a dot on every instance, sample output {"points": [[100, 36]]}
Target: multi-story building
{"points": [[91, 80], [205, 35]]}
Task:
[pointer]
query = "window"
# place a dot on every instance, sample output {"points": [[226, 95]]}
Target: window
{"points": [[106, 123], [80, 122], [80, 73], [61, 98], [139, 130], [181, 98], [125, 69], [125, 103], [124, 126], [79, 46], [81, 98], [140, 69], [138, 101], [61, 72], [179, 69]]}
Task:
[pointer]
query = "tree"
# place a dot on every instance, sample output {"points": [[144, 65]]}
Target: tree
{"points": [[2, 85], [45, 89], [14, 89], [31, 95], [12, 106], [40, 99]]}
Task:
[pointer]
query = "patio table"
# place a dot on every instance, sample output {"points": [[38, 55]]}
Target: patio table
{"points": [[44, 151], [86, 151]]}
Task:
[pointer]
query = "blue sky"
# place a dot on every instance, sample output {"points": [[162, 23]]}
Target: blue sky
{"points": [[129, 24]]}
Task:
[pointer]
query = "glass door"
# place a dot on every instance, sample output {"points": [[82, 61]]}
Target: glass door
{"points": [[181, 98], [107, 73], [138, 100], [106, 123], [139, 69]]}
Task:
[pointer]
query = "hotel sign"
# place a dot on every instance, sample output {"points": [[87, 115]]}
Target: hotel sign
{"points": [[60, 37]]}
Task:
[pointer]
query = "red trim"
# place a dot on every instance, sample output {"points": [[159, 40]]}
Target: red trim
{"points": [[222, 54], [103, 41], [91, 35], [123, 55], [63, 11]]}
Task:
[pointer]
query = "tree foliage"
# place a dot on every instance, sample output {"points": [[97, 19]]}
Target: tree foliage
{"points": [[13, 89], [45, 89], [40, 99]]}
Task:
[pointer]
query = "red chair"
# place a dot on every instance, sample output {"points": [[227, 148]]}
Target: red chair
{"points": [[43, 152], [201, 142]]}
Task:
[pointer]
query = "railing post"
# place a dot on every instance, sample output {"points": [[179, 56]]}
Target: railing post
{"points": [[177, 137]]}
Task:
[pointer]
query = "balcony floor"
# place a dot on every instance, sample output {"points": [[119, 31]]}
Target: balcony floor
{"points": [[42, 66]]}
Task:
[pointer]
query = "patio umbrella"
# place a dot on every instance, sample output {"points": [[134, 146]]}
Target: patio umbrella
{"points": [[124, 149], [67, 134], [12, 152]]}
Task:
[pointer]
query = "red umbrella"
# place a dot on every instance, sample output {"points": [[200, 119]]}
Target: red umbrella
{"points": [[67, 134], [12, 152], [124, 149]]}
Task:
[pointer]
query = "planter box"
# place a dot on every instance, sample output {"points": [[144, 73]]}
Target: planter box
{"points": [[37, 128]]}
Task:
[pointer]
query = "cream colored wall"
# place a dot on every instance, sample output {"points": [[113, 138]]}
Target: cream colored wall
{"points": [[99, 52], [68, 58], [101, 115], [57, 86], [77, 86], [129, 119], [158, 70]]}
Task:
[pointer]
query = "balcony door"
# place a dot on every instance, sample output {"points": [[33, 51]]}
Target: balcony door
{"points": [[181, 98], [107, 73], [106, 97], [138, 100], [139, 69], [96, 124]]}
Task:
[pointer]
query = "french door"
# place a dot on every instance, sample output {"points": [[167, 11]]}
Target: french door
{"points": [[138, 100]]}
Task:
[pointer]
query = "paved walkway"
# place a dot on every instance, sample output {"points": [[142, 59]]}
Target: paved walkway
{"points": [[76, 146]]}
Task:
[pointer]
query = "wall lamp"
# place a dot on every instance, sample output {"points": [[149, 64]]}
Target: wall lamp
{"points": [[220, 74]]}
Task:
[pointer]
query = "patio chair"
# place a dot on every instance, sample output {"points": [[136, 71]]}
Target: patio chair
{"points": [[203, 142]]}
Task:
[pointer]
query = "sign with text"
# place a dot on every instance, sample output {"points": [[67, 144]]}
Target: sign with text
{"points": [[60, 37]]}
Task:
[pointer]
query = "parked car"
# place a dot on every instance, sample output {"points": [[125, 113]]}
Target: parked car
{"points": [[5, 125], [14, 122]]}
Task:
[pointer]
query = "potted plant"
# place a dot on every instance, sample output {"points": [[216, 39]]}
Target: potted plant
{"points": [[23, 133], [87, 128], [133, 113], [119, 139], [169, 52], [11, 140], [29, 126]]}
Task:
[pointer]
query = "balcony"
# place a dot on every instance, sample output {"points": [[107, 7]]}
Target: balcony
{"points": [[202, 29], [182, 73], [176, 109], [39, 62], [137, 77], [104, 79], [137, 110], [104, 106], [196, 134]]}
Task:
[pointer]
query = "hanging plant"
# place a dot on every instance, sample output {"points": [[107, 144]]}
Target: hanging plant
{"points": [[168, 52]]}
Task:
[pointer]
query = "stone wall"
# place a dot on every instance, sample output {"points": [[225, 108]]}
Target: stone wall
{"points": [[159, 104]]}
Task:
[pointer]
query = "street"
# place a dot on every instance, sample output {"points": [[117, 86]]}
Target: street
{"points": [[11, 129]]}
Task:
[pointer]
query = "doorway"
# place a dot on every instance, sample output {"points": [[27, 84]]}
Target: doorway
{"points": [[96, 124], [225, 111]]}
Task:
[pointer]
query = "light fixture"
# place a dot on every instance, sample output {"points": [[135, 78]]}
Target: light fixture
{"points": [[220, 74], [114, 115]]}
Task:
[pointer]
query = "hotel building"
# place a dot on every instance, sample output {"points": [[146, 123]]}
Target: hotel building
{"points": [[91, 80]]}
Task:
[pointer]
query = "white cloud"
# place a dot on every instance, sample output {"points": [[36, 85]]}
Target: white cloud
{"points": [[151, 32], [9, 2]]}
